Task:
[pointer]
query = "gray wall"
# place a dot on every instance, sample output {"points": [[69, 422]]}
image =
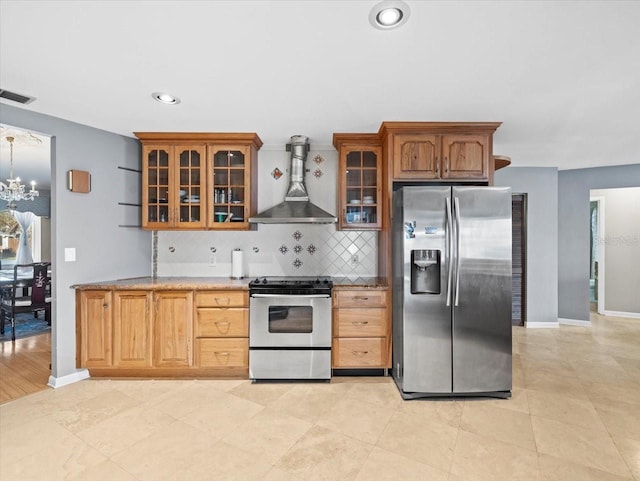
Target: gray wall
{"points": [[573, 231], [87, 222], [621, 245], [541, 187]]}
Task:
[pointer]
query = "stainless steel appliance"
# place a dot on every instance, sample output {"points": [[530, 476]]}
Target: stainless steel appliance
{"points": [[452, 291], [296, 208], [290, 328]]}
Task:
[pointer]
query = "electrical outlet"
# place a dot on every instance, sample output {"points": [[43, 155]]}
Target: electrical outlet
{"points": [[213, 261], [355, 260]]}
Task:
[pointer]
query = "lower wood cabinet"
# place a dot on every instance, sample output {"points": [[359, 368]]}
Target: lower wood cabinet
{"points": [[222, 353], [164, 332], [132, 329], [222, 330], [94, 326], [173, 329], [361, 329], [359, 352]]}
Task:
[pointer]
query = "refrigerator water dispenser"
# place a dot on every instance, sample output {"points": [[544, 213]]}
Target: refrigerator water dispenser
{"points": [[425, 271]]}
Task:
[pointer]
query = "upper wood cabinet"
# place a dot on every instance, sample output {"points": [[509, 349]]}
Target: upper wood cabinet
{"points": [[440, 150], [359, 181], [198, 181]]}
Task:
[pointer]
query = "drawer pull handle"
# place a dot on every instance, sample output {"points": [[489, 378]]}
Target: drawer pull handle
{"points": [[226, 300], [222, 353], [360, 353], [360, 298], [223, 326], [359, 323]]}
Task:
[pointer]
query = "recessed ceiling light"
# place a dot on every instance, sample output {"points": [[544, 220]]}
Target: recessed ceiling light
{"points": [[165, 98], [389, 14]]}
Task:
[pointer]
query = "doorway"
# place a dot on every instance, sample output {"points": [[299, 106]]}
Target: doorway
{"points": [[518, 259], [595, 221]]}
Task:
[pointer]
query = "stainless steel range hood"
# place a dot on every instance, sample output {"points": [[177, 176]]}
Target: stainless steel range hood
{"points": [[296, 208]]}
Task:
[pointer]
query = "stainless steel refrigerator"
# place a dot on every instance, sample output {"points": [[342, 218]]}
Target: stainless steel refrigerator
{"points": [[452, 291]]}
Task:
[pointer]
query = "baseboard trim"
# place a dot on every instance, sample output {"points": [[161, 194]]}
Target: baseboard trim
{"points": [[633, 315], [574, 322], [541, 325], [56, 382]]}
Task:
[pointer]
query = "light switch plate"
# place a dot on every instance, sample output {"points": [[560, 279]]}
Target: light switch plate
{"points": [[69, 254]]}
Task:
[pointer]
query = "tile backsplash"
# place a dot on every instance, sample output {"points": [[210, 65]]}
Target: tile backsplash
{"points": [[275, 249], [272, 250]]}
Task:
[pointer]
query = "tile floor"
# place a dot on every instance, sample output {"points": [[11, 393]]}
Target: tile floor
{"points": [[574, 415]]}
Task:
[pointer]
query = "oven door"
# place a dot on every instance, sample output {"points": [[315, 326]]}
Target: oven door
{"points": [[278, 320]]}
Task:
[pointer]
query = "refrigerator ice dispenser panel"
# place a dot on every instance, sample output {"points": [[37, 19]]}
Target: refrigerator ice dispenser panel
{"points": [[425, 271]]}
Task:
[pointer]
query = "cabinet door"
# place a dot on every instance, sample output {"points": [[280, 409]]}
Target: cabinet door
{"points": [[360, 194], [132, 329], [416, 156], [191, 194], [156, 186], [230, 178], [95, 329], [465, 156], [173, 329]]}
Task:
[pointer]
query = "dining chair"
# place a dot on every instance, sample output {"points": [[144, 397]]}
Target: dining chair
{"points": [[38, 300]]}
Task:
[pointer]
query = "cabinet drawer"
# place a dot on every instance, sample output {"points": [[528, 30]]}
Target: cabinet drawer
{"points": [[222, 352], [367, 322], [359, 352], [215, 322], [360, 298], [222, 299]]}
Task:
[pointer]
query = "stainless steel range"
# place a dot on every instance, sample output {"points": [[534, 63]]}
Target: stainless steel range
{"points": [[290, 328]]}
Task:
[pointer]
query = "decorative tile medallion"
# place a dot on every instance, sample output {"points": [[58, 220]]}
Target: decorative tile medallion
{"points": [[297, 249], [317, 173], [297, 263], [297, 235], [276, 173], [283, 249], [311, 249], [318, 159]]}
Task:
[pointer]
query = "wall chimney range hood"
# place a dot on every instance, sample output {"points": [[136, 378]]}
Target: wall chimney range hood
{"points": [[296, 208]]}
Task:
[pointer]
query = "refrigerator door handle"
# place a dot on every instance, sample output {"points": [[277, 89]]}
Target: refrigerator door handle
{"points": [[448, 241], [456, 206]]}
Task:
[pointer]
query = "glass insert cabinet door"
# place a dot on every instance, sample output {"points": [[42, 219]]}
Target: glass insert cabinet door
{"points": [[230, 180], [190, 186], [173, 186], [361, 192], [158, 180]]}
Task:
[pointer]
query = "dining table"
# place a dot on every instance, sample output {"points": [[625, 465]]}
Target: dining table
{"points": [[24, 278]]}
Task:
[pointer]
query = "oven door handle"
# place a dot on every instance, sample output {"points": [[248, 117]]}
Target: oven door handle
{"points": [[292, 296]]}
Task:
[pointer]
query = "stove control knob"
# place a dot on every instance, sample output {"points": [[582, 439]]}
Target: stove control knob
{"points": [[264, 281], [317, 281], [326, 281], [257, 280]]}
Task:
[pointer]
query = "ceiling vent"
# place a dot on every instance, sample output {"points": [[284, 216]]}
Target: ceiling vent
{"points": [[21, 99]]}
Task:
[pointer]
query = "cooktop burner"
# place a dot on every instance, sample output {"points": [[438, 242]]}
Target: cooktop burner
{"points": [[291, 285]]}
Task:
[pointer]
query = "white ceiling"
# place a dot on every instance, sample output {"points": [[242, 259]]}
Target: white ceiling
{"points": [[563, 77]]}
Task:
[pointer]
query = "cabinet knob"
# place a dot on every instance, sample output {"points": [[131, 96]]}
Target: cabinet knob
{"points": [[105, 305]]}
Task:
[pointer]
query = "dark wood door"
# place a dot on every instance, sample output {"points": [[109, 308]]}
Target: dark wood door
{"points": [[519, 257]]}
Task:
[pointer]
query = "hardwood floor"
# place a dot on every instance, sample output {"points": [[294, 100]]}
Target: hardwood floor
{"points": [[24, 366]]}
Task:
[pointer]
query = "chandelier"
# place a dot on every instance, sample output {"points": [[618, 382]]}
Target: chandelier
{"points": [[15, 190]]}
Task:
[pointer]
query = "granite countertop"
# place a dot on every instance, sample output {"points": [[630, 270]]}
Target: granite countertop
{"points": [[159, 283], [360, 282], [180, 282]]}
